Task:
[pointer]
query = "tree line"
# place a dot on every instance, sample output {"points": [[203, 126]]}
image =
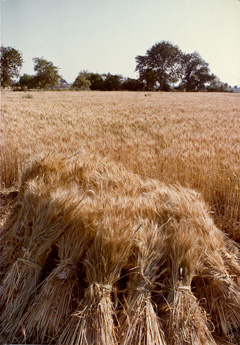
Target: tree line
{"points": [[164, 67]]}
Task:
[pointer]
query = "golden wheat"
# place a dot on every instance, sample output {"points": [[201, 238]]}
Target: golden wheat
{"points": [[190, 138], [123, 250]]}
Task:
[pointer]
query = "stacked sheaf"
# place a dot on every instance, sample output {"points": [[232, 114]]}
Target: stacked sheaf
{"points": [[92, 253]]}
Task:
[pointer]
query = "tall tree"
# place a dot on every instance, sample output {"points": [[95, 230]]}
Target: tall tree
{"points": [[160, 66], [195, 73], [46, 73], [11, 63]]}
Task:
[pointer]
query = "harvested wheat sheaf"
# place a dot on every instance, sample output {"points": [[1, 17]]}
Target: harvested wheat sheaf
{"points": [[94, 254]]}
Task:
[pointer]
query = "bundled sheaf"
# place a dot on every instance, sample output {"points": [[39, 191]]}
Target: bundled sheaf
{"points": [[94, 254], [93, 320], [59, 293], [139, 322]]}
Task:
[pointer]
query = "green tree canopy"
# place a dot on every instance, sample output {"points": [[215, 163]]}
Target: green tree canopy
{"points": [[27, 81], [82, 82], [96, 81], [46, 73], [216, 85], [131, 84], [160, 66], [195, 74], [11, 63], [112, 82]]}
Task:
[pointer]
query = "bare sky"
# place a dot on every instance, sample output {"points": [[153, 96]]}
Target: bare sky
{"points": [[106, 35]]}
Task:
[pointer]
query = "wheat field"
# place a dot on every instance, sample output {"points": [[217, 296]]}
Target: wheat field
{"points": [[187, 138], [120, 218]]}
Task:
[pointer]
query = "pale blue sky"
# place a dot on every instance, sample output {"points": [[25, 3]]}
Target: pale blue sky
{"points": [[106, 35]]}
